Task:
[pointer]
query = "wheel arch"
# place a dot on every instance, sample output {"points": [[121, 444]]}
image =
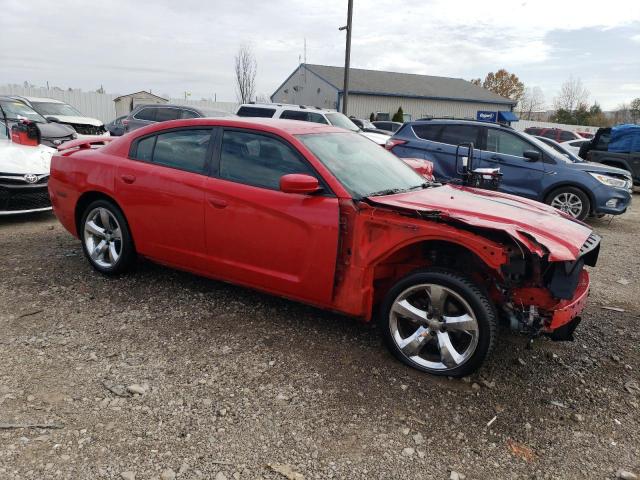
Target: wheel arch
{"points": [[475, 260], [581, 187], [91, 196]]}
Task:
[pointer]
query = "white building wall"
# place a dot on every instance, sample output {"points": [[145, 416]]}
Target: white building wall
{"points": [[306, 88], [362, 106]]}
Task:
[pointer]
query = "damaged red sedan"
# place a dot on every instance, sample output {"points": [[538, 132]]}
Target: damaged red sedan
{"points": [[326, 217]]}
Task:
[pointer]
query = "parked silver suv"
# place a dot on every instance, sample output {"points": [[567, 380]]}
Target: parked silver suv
{"points": [[144, 115]]}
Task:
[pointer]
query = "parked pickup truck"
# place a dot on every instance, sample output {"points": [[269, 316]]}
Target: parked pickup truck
{"points": [[598, 150]]}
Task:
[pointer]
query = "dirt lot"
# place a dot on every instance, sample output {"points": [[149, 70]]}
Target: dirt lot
{"points": [[234, 380]]}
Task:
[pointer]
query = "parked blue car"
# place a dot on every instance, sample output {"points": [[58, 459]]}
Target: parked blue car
{"points": [[529, 167]]}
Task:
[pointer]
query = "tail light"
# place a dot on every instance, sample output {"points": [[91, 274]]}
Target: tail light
{"points": [[392, 142], [25, 133]]}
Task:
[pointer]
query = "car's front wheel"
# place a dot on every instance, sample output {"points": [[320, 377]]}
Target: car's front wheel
{"points": [[106, 240], [439, 322], [570, 200]]}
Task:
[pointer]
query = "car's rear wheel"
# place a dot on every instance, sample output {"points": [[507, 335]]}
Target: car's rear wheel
{"points": [[106, 240], [439, 322], [570, 200]]}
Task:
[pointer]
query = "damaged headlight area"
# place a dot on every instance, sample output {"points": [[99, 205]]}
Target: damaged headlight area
{"points": [[610, 181], [551, 295]]}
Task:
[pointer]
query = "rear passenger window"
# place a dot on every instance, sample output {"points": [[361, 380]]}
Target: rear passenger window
{"points": [[144, 150], [166, 114], [303, 116], [181, 149], [148, 114], [566, 136], [256, 112], [189, 114], [428, 132], [457, 134], [258, 160]]}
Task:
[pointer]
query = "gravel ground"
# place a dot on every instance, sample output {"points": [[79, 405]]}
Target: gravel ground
{"points": [[230, 383]]}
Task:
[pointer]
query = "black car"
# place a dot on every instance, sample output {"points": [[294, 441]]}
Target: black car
{"points": [[367, 126], [387, 125], [116, 127], [51, 134]]}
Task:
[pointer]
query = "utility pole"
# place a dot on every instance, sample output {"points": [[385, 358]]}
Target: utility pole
{"points": [[347, 57]]}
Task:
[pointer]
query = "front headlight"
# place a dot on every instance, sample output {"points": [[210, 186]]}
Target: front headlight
{"points": [[74, 135], [611, 181]]}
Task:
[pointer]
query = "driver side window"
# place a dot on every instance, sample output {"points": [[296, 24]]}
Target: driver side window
{"points": [[506, 143]]}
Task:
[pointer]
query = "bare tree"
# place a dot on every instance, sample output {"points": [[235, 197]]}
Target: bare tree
{"points": [[622, 114], [246, 68], [532, 101], [572, 96]]}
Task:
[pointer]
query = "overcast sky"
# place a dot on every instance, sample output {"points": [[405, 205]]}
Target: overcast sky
{"points": [[172, 46]]}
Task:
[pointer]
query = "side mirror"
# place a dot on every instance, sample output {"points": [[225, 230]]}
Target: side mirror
{"points": [[531, 155], [53, 119], [299, 183]]}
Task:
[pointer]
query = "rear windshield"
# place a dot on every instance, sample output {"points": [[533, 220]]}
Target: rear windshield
{"points": [[256, 112], [53, 108], [340, 120]]}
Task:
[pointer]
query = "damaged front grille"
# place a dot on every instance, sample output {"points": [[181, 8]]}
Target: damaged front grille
{"points": [[84, 129], [564, 276], [590, 250]]}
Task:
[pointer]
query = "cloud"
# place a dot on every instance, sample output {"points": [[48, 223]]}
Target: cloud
{"points": [[189, 45]]}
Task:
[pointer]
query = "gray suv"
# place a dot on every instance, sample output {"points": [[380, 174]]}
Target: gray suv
{"points": [[144, 115]]}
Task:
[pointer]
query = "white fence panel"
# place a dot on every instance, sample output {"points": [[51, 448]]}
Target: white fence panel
{"points": [[91, 104], [522, 124], [230, 107]]}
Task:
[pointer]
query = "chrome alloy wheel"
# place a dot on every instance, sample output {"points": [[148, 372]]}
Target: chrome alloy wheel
{"points": [[102, 237], [434, 327], [569, 203]]}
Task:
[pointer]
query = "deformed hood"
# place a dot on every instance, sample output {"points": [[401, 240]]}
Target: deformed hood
{"points": [[530, 222], [23, 159], [78, 120]]}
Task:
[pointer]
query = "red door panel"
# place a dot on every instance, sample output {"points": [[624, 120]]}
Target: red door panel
{"points": [[165, 209], [280, 242]]}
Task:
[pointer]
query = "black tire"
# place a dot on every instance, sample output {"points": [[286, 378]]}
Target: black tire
{"points": [[482, 308], [584, 198], [127, 254]]}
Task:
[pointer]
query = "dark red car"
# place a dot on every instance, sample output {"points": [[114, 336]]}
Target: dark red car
{"points": [[327, 217]]}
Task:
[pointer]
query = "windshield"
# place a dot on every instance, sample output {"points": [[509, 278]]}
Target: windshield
{"points": [[52, 108], [15, 110], [361, 165], [339, 120], [547, 149], [568, 155]]}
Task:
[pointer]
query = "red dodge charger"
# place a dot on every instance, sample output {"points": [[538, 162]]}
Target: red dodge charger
{"points": [[327, 217]]}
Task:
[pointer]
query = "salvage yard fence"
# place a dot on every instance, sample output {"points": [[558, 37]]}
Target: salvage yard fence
{"points": [[100, 105]]}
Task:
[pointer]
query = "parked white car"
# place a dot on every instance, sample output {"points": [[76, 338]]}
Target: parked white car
{"points": [[307, 114], [60, 112], [24, 175], [574, 145]]}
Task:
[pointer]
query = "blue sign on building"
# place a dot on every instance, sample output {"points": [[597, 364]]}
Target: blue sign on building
{"points": [[485, 116]]}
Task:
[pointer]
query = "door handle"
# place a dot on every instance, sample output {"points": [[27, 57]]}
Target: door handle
{"points": [[496, 159], [217, 202], [128, 178]]}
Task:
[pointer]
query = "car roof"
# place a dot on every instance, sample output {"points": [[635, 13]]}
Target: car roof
{"points": [[292, 127], [442, 121], [288, 106], [42, 100]]}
